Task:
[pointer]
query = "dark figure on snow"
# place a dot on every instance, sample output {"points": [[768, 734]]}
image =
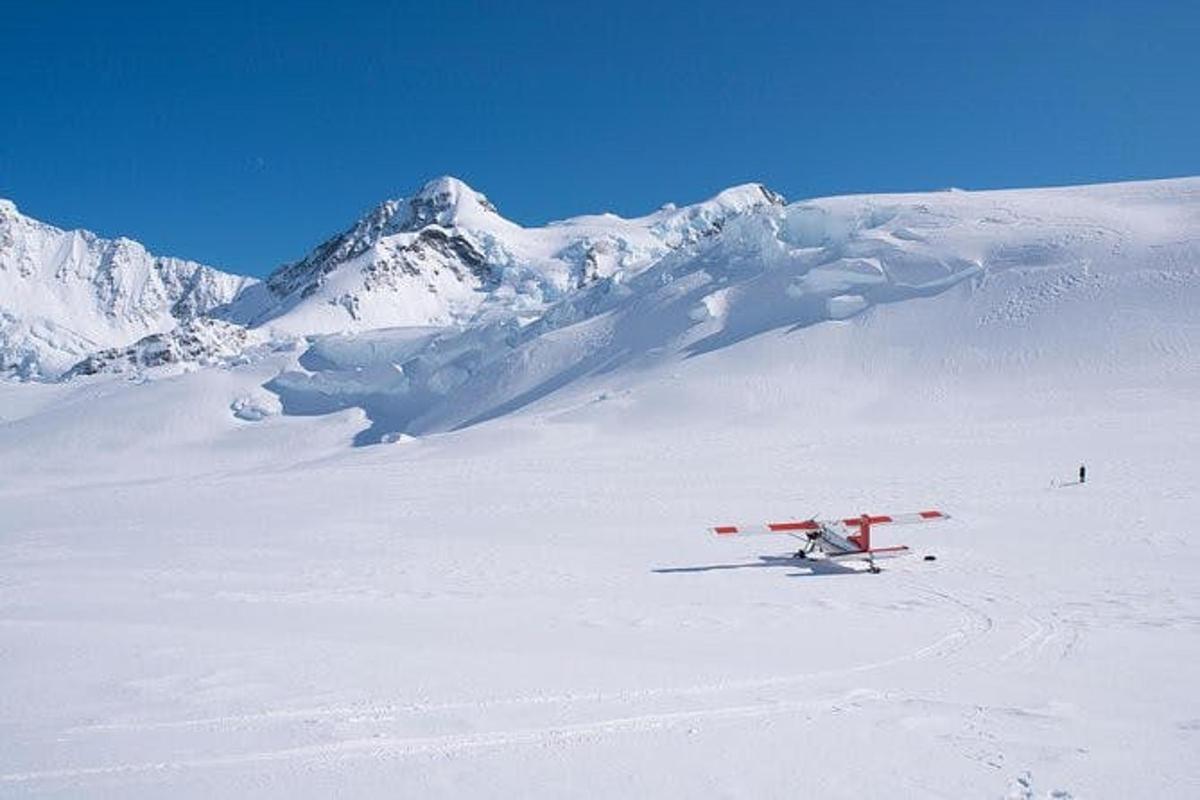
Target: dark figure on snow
{"points": [[1082, 473]]}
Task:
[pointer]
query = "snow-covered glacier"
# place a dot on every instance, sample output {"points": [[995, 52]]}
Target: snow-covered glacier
{"points": [[206, 591]]}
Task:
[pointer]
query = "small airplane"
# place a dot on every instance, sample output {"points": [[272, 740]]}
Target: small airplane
{"points": [[848, 538]]}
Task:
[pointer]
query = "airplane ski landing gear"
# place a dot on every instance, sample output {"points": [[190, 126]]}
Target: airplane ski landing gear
{"points": [[874, 570], [813, 542]]}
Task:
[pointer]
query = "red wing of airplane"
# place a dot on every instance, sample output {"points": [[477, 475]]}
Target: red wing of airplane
{"points": [[803, 526]]}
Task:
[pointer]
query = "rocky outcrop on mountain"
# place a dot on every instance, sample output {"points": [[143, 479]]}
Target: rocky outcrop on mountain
{"points": [[200, 341], [431, 212]]}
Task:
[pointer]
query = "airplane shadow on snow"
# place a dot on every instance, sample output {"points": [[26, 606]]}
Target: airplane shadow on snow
{"points": [[809, 569]]}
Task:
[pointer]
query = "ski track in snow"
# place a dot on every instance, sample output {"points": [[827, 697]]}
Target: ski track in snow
{"points": [[991, 631], [789, 697]]}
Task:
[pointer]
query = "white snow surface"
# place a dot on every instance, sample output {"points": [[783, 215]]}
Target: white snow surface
{"points": [[208, 591]]}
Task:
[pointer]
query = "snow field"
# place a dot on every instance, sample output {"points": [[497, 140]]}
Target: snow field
{"points": [[207, 590], [533, 605]]}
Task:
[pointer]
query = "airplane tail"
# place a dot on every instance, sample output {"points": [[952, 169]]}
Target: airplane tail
{"points": [[863, 537]]}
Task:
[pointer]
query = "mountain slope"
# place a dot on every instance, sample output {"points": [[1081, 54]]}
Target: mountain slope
{"points": [[434, 311], [64, 294], [1082, 284]]}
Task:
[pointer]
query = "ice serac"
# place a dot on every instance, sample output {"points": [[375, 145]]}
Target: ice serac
{"points": [[65, 294], [699, 221]]}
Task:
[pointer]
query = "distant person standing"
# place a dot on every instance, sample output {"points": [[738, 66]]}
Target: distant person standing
{"points": [[1082, 473]]}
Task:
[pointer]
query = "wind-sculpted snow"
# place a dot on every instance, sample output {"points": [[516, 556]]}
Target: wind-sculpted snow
{"points": [[1021, 258], [64, 294]]}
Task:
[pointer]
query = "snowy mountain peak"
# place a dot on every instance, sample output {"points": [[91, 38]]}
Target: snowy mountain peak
{"points": [[445, 201], [748, 196], [445, 255], [64, 294]]}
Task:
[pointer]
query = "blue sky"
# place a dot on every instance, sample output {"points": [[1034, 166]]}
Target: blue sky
{"points": [[241, 134]]}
